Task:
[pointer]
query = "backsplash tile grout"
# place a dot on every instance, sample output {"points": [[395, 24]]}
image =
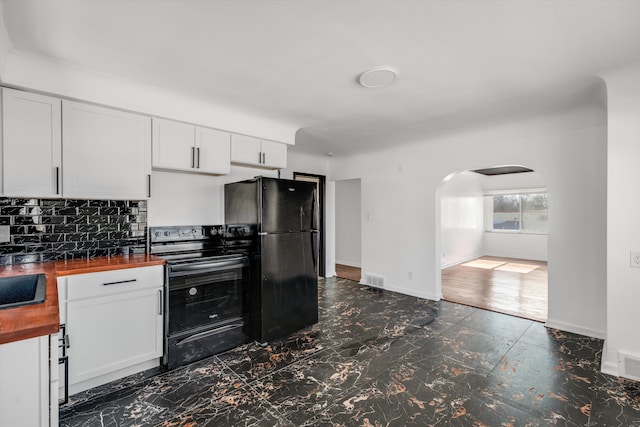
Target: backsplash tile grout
{"points": [[56, 229]]}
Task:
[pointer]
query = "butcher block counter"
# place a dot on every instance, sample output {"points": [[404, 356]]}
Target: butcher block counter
{"points": [[35, 320]]}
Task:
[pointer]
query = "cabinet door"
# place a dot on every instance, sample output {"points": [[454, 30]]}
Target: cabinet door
{"points": [[107, 153], [31, 144], [24, 383], [173, 145], [213, 151], [274, 155], [246, 150], [113, 332]]}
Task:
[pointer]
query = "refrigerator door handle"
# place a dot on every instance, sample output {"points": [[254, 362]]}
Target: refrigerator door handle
{"points": [[314, 250], [315, 213]]}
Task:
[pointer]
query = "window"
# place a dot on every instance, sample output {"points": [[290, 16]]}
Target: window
{"points": [[523, 212]]}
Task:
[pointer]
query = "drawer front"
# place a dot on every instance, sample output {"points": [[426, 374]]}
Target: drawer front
{"points": [[103, 283]]}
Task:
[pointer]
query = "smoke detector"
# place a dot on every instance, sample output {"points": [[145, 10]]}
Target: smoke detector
{"points": [[377, 77]]}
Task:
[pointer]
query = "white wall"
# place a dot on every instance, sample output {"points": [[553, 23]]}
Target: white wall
{"points": [[348, 222], [623, 210], [515, 181], [305, 163], [180, 198], [4, 44], [461, 219], [401, 201], [515, 245]]}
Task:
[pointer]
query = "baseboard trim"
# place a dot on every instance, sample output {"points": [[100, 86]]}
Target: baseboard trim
{"points": [[404, 291], [460, 261], [349, 264], [610, 367], [568, 327]]}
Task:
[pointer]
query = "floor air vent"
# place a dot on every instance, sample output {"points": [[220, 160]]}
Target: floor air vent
{"points": [[629, 366], [374, 280]]}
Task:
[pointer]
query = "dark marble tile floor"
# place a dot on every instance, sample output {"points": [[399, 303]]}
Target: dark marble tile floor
{"points": [[378, 358]]}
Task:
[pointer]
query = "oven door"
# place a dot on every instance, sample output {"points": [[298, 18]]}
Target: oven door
{"points": [[201, 295]]}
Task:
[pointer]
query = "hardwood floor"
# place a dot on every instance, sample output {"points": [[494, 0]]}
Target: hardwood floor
{"points": [[505, 285], [348, 272]]}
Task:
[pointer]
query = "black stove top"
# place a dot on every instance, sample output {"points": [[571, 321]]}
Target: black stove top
{"points": [[186, 243]]}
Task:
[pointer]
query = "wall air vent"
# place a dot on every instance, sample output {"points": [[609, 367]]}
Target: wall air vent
{"points": [[502, 170], [374, 280], [629, 366]]}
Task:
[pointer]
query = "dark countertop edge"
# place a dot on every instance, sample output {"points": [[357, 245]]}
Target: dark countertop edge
{"points": [[31, 321]]}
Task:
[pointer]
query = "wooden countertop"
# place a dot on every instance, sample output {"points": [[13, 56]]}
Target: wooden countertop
{"points": [[94, 265], [35, 320]]}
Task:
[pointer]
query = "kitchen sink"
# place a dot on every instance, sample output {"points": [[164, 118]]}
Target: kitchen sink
{"points": [[22, 290]]}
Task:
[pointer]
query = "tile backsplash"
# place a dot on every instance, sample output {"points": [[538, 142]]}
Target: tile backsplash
{"points": [[54, 229]]}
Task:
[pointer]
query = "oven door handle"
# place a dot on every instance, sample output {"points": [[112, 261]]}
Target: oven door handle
{"points": [[209, 333], [208, 266]]}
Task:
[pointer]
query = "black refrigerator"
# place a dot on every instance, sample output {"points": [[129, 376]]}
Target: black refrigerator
{"points": [[282, 215]]}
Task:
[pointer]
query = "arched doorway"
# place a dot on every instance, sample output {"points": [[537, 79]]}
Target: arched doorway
{"points": [[493, 234]]}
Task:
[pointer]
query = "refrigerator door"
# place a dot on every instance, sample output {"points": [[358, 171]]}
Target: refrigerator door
{"points": [[288, 285], [288, 206]]}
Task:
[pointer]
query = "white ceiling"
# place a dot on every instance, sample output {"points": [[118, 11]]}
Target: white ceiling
{"points": [[460, 63]]}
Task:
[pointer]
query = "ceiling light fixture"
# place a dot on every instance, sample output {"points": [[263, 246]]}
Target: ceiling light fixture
{"points": [[377, 77]]}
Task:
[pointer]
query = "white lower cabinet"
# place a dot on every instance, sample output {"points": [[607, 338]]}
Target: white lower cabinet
{"points": [[25, 393], [114, 324]]}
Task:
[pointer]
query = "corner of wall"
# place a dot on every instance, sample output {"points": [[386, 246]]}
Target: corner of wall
{"points": [[5, 44], [607, 366]]}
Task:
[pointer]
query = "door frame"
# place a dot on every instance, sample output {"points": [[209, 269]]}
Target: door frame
{"points": [[321, 205]]}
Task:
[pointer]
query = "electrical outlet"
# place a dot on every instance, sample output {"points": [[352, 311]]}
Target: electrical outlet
{"points": [[635, 259]]}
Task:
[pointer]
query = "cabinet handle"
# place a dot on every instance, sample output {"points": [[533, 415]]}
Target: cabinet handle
{"points": [[119, 281], [57, 180], [149, 185], [198, 157], [264, 158], [160, 302], [259, 158]]}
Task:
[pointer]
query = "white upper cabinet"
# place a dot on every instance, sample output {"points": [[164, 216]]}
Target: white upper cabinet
{"points": [[250, 151], [173, 145], [274, 154], [213, 151], [107, 153], [31, 144], [185, 147]]}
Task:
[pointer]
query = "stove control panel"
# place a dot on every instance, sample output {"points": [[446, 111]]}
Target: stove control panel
{"points": [[181, 233]]}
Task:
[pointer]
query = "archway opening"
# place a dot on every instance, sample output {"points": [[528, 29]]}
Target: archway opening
{"points": [[493, 235]]}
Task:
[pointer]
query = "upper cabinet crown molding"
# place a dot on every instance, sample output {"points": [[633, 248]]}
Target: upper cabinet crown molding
{"points": [[251, 151], [31, 144], [186, 147]]}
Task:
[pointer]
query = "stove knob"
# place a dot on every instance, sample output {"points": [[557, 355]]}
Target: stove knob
{"points": [[157, 233], [166, 233]]}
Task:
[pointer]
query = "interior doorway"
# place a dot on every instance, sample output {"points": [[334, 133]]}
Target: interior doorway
{"points": [[348, 218], [493, 238], [319, 180]]}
